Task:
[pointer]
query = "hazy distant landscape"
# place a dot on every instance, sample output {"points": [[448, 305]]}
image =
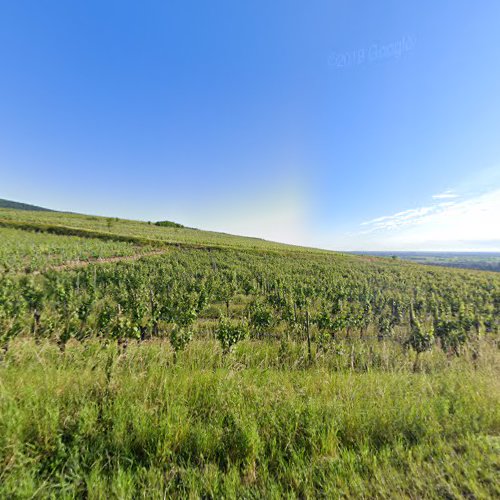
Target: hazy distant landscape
{"points": [[485, 261]]}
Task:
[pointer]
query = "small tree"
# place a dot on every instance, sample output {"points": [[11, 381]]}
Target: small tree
{"points": [[452, 334], [33, 295], [122, 327], [323, 321], [420, 340], [385, 327], [179, 339], [228, 335], [325, 335], [184, 312], [261, 318]]}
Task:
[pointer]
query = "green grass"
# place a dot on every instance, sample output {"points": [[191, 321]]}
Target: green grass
{"points": [[28, 251], [131, 230], [87, 410], [100, 422]]}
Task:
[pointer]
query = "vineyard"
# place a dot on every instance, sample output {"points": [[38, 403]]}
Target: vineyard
{"points": [[154, 360]]}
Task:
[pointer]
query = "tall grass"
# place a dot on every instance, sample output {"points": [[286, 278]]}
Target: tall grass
{"points": [[99, 421]]}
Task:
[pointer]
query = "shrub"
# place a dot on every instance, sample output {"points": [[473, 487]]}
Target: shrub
{"points": [[167, 223], [228, 335], [179, 339]]}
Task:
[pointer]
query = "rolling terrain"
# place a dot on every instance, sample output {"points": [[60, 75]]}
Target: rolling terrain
{"points": [[486, 261], [144, 360]]}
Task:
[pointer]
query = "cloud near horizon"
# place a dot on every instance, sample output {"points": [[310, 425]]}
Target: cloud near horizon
{"points": [[461, 223]]}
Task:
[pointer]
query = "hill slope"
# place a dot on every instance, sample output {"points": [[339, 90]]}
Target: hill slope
{"points": [[161, 362], [15, 205], [113, 228]]}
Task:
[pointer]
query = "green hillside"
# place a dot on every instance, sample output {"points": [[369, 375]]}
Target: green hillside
{"points": [[132, 230], [21, 206], [152, 361]]}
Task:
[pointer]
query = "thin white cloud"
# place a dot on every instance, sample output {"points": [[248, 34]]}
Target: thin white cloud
{"points": [[446, 195], [405, 218], [470, 223]]}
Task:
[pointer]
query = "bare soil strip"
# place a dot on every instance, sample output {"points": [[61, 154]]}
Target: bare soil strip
{"points": [[75, 264]]}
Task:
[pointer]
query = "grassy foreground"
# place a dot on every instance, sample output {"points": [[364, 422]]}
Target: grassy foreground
{"points": [[297, 373], [100, 421]]}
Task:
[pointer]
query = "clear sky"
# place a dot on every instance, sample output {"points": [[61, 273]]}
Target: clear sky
{"points": [[340, 124]]}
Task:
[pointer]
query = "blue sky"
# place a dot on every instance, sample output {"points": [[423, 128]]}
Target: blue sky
{"points": [[340, 124]]}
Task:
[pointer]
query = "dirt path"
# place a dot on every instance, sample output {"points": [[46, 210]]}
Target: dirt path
{"points": [[75, 264]]}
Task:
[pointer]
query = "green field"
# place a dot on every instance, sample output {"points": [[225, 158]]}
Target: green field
{"points": [[128, 230], [141, 361], [34, 252]]}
